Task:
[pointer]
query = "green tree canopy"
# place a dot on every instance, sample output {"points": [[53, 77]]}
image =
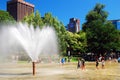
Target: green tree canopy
{"points": [[76, 42], [34, 19], [5, 17], [49, 20], [101, 34]]}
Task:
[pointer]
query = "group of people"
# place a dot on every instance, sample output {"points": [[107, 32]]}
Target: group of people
{"points": [[100, 60], [81, 63]]}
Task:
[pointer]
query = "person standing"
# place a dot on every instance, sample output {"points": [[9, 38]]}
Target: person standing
{"points": [[83, 64], [63, 61], [97, 64], [103, 63], [79, 63]]}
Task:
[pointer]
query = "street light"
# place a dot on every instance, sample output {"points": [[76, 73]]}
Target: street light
{"points": [[68, 56]]}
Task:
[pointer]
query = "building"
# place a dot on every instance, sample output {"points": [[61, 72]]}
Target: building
{"points": [[74, 25], [19, 9], [116, 23]]}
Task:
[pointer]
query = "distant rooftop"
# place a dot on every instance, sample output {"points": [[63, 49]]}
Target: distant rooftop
{"points": [[115, 20], [21, 1]]}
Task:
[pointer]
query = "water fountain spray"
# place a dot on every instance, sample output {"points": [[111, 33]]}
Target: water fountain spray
{"points": [[34, 41]]}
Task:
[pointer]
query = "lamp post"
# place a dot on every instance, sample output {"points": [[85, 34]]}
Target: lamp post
{"points": [[68, 56]]}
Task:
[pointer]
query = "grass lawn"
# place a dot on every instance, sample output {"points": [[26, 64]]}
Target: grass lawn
{"points": [[56, 71]]}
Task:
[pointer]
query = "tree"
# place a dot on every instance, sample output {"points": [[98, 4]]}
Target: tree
{"points": [[101, 34], [34, 19], [37, 19], [49, 20], [83, 41], [5, 17], [76, 42], [29, 19]]}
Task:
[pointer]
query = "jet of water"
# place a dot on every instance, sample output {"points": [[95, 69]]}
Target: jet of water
{"points": [[34, 41]]}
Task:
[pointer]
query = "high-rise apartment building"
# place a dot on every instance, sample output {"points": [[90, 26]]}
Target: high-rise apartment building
{"points": [[19, 9], [74, 25], [116, 23]]}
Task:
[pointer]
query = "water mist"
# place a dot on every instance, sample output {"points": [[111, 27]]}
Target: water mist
{"points": [[34, 41]]}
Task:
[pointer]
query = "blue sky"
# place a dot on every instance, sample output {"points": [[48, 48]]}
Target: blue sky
{"points": [[66, 9]]}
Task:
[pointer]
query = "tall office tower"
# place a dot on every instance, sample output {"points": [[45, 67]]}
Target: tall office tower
{"points": [[74, 25], [19, 9]]}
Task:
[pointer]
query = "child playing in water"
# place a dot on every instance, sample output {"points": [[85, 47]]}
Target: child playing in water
{"points": [[103, 64], [83, 64], [97, 64], [79, 63]]}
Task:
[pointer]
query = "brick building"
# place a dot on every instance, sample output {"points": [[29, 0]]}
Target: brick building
{"points": [[19, 9]]}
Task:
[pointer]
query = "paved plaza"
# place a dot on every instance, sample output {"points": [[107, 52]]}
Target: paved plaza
{"points": [[56, 71]]}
